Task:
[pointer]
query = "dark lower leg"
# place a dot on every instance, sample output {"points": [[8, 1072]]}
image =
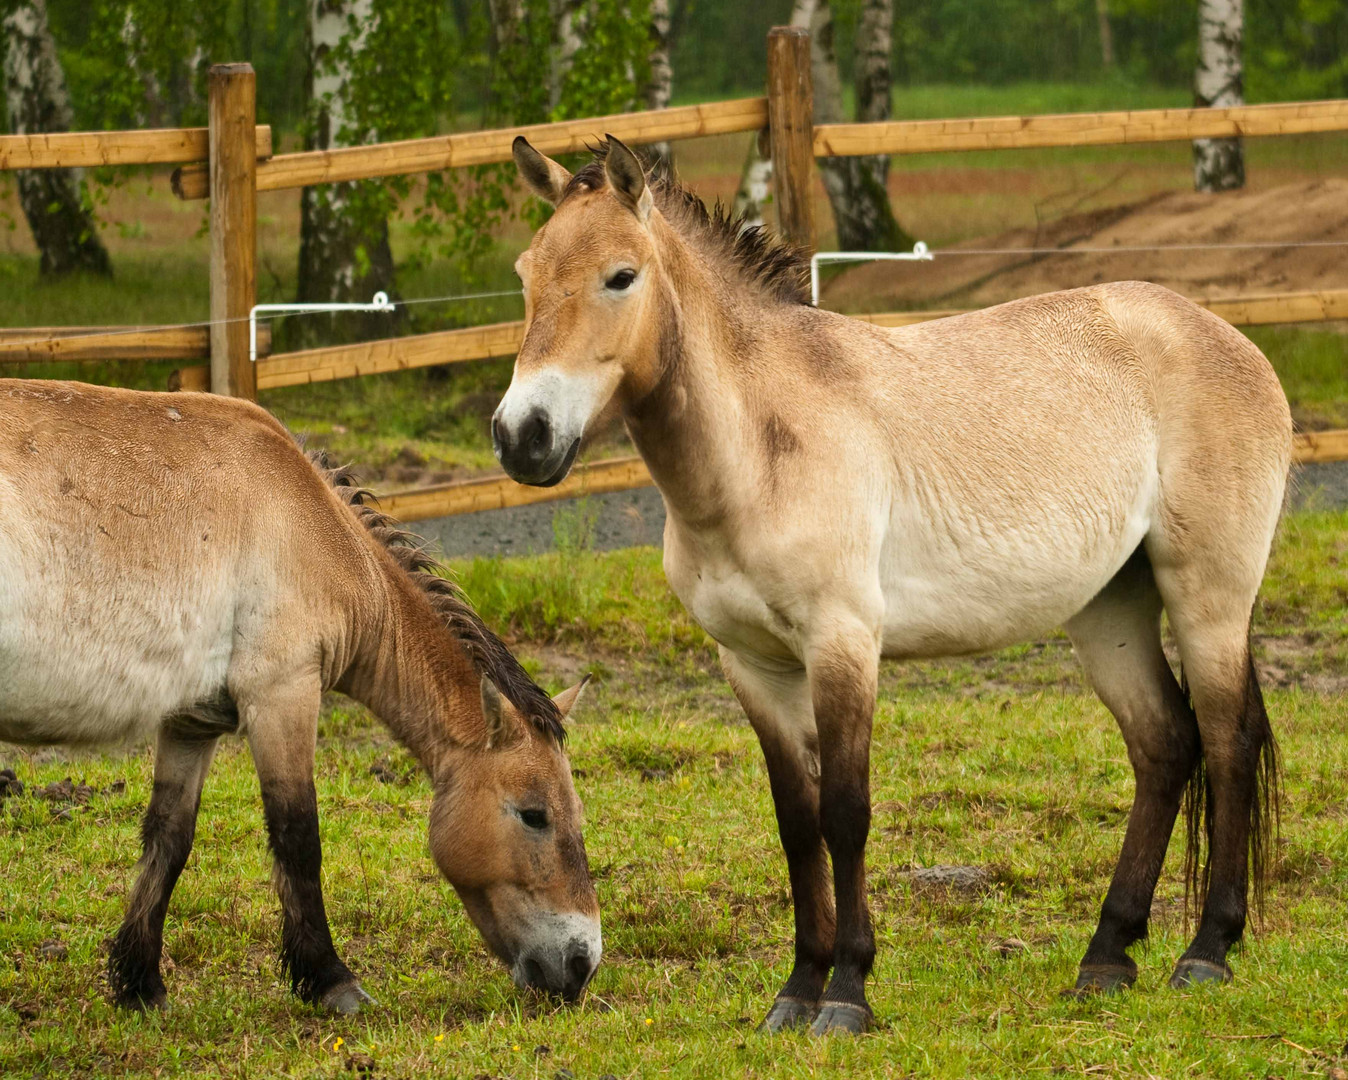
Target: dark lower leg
{"points": [[1242, 770], [846, 815], [1127, 905], [1222, 921], [795, 797], [307, 952], [844, 699], [166, 837]]}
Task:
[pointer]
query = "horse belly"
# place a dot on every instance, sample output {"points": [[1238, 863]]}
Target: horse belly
{"points": [[970, 590], [92, 654]]}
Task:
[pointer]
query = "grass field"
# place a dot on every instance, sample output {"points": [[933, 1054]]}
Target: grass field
{"points": [[1002, 763]]}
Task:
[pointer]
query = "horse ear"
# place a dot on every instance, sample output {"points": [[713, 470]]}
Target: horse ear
{"points": [[502, 729], [566, 700], [628, 179], [545, 177]]}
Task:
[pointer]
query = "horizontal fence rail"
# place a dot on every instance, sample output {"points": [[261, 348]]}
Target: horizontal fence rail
{"points": [[90, 149], [503, 339], [42, 344], [629, 473], [1077, 129], [485, 147]]}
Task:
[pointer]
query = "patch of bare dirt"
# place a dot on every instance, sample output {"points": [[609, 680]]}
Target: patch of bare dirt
{"points": [[1315, 210]]}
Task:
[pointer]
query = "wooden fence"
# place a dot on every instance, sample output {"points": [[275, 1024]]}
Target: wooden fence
{"points": [[231, 160]]}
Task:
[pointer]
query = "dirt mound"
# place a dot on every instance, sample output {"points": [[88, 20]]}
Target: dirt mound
{"points": [[1314, 210]]}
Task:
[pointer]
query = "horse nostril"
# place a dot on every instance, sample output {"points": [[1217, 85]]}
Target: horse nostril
{"points": [[534, 975], [498, 437], [578, 970], [536, 436]]}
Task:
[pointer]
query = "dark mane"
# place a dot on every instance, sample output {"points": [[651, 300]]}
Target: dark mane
{"points": [[488, 652], [776, 268]]}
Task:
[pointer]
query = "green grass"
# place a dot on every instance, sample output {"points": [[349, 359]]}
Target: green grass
{"points": [[1003, 762]]}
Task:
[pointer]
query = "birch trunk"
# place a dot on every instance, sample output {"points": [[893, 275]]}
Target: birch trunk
{"points": [[755, 184], [1106, 33], [36, 101], [569, 32], [150, 112], [1219, 164], [661, 81], [862, 215], [344, 251]]}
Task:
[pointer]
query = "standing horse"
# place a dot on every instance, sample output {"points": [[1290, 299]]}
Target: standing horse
{"points": [[838, 492], [173, 564]]}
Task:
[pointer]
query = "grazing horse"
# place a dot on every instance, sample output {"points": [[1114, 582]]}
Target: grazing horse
{"points": [[174, 565], [837, 492]]}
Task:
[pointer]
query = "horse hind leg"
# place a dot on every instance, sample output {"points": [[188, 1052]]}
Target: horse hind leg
{"points": [[1235, 804], [182, 759], [1118, 640]]}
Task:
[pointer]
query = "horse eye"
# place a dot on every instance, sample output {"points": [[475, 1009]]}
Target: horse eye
{"points": [[535, 819], [621, 280]]}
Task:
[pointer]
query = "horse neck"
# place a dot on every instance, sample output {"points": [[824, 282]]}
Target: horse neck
{"points": [[411, 673], [689, 428]]}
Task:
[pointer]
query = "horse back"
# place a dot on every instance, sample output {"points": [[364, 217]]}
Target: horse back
{"points": [[143, 538]]}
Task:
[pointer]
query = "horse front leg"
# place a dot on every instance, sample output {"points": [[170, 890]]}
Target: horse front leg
{"points": [[181, 762], [282, 734], [843, 672], [779, 708]]}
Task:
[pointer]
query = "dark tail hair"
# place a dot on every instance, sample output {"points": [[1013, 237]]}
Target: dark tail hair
{"points": [[1265, 807]]}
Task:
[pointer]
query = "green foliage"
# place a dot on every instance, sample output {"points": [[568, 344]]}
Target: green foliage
{"points": [[613, 62]]}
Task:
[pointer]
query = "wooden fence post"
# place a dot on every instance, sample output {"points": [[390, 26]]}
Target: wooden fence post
{"points": [[791, 130], [233, 169]]}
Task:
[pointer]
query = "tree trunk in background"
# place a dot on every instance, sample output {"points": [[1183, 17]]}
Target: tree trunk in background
{"points": [[1106, 33], [37, 102], [755, 183], [661, 81], [862, 216], [1219, 164], [150, 112], [569, 32], [344, 256], [875, 101]]}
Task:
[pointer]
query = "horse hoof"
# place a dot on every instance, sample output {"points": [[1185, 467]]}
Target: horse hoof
{"points": [[1102, 979], [1191, 972], [347, 999], [154, 1003], [843, 1017], [787, 1013]]}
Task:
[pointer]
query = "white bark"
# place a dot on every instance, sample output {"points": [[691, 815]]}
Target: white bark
{"points": [[342, 259], [1219, 164], [150, 111], [862, 216], [660, 84], [875, 42], [755, 185], [37, 101], [569, 30]]}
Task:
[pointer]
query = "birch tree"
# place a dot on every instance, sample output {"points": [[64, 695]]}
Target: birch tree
{"points": [[344, 246], [1219, 164], [1106, 34], [660, 83], [856, 189], [37, 101]]}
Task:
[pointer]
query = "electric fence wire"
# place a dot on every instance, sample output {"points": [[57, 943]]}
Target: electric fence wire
{"points": [[1121, 249]]}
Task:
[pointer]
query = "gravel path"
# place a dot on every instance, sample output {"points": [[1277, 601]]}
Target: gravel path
{"points": [[630, 518]]}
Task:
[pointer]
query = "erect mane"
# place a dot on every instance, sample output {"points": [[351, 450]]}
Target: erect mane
{"points": [[760, 259], [487, 652]]}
